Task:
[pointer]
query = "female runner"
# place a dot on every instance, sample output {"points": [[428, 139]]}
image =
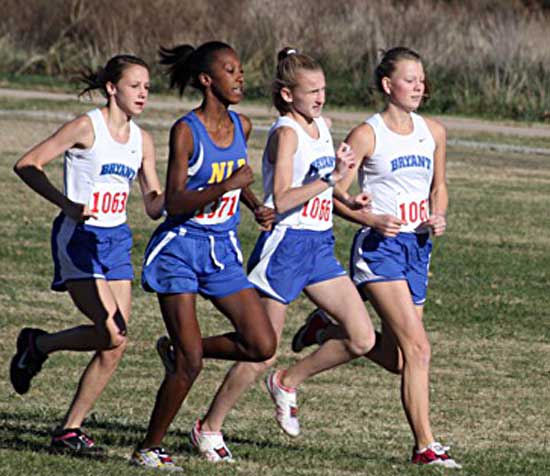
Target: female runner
{"points": [[300, 170], [196, 249], [91, 242], [402, 164]]}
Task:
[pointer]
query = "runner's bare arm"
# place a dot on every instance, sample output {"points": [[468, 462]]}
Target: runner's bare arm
{"points": [[180, 200], [439, 195], [30, 168], [153, 197]]}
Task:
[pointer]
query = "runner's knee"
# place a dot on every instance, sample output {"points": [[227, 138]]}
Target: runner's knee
{"points": [[189, 366], [117, 340], [112, 333], [260, 345], [117, 331], [359, 345], [111, 357], [262, 367], [109, 339], [264, 349], [418, 352]]}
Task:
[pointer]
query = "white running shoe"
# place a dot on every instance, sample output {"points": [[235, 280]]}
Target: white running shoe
{"points": [[154, 458], [210, 444], [285, 401]]}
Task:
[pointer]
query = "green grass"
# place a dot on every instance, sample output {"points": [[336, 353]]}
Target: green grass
{"points": [[10, 104], [34, 82], [487, 314], [481, 137]]}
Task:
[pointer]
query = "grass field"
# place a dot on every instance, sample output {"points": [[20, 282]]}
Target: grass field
{"points": [[487, 314]]}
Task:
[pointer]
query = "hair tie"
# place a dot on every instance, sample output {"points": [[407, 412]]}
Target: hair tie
{"points": [[291, 51]]}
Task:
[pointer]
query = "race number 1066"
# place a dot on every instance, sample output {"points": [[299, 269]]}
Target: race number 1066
{"points": [[317, 209]]}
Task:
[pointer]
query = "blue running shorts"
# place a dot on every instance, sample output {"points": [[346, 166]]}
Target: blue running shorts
{"points": [[375, 258], [179, 260], [285, 261], [81, 251]]}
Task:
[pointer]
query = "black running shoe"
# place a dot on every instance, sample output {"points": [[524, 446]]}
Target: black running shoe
{"points": [[75, 441], [166, 353], [310, 333], [27, 361]]}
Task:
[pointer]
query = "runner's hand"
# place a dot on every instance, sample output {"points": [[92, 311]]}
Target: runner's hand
{"points": [[437, 223], [345, 160], [78, 212], [242, 177], [387, 225], [265, 216], [360, 201]]}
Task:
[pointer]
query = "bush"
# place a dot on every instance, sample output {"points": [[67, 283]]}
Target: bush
{"points": [[484, 57]]}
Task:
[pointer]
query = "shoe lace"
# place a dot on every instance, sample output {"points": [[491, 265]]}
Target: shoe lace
{"points": [[163, 455], [88, 442], [438, 448]]}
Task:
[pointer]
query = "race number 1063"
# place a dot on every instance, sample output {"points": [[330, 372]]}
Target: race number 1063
{"points": [[107, 202]]}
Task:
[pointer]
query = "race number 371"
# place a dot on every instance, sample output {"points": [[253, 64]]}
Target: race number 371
{"points": [[219, 210]]}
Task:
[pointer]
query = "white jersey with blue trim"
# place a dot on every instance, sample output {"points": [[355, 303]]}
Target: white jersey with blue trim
{"points": [[399, 173], [101, 176], [313, 159]]}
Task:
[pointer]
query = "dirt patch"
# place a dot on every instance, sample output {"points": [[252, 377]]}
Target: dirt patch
{"points": [[354, 117]]}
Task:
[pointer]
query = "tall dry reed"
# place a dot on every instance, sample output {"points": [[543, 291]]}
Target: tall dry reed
{"points": [[484, 56]]}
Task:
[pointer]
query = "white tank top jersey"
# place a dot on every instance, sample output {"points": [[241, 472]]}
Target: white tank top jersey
{"points": [[313, 159], [101, 176], [399, 173]]}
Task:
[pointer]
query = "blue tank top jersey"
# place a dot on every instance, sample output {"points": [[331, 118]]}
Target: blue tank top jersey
{"points": [[211, 164]]}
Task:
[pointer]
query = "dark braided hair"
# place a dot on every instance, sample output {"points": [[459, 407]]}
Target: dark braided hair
{"points": [[185, 63]]}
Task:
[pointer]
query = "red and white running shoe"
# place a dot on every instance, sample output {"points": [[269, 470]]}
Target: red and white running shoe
{"points": [[210, 444], [435, 453], [285, 401]]}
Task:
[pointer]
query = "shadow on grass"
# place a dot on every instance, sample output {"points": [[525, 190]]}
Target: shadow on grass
{"points": [[31, 431]]}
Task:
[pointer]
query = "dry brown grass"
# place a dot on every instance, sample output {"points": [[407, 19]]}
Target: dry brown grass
{"points": [[487, 55]]}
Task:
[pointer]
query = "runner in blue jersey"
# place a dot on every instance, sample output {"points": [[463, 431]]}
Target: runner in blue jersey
{"points": [[300, 170], [402, 164], [91, 241], [196, 250]]}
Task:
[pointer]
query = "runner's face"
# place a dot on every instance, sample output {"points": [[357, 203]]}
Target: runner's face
{"points": [[132, 89], [407, 84], [227, 75], [308, 96]]}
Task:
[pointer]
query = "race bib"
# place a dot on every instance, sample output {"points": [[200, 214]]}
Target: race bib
{"points": [[219, 211], [316, 213], [108, 203], [413, 209]]}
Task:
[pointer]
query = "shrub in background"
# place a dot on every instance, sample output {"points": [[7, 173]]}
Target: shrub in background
{"points": [[485, 57]]}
